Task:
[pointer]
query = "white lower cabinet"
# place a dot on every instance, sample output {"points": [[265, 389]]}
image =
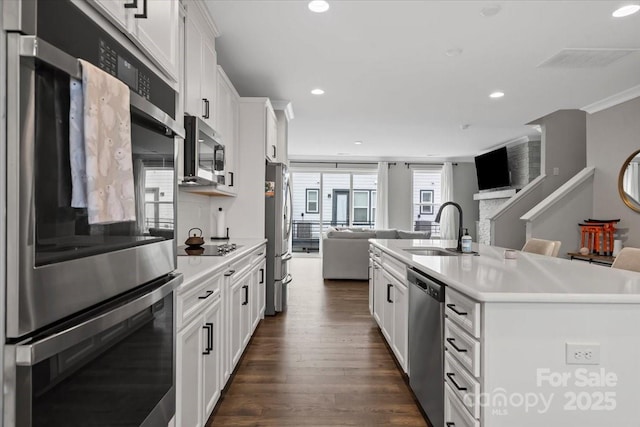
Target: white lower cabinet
{"points": [[188, 368], [462, 374], [198, 367], [216, 318], [390, 305]]}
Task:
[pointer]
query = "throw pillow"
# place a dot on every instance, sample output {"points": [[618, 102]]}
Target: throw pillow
{"points": [[414, 234]]}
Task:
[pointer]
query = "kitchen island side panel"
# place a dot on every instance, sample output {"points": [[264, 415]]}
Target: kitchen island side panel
{"points": [[527, 382]]}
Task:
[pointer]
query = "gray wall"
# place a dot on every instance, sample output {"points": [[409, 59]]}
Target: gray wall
{"points": [[465, 184], [563, 148], [612, 135]]}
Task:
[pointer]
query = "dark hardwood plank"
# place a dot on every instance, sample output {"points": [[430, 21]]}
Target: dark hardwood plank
{"points": [[322, 363]]}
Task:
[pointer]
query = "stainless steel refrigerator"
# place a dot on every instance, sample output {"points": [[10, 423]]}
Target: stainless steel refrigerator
{"points": [[278, 206]]}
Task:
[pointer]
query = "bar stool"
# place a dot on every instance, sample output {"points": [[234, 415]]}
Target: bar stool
{"points": [[628, 259], [542, 247]]}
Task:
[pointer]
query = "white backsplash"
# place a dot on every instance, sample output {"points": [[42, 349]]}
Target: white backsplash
{"points": [[194, 210]]}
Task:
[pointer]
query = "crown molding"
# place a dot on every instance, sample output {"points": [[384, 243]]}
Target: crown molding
{"points": [[285, 106], [613, 100]]}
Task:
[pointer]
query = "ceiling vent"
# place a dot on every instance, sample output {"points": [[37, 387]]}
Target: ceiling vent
{"points": [[585, 58]]}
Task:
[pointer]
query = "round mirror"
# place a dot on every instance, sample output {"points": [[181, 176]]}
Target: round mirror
{"points": [[629, 181]]}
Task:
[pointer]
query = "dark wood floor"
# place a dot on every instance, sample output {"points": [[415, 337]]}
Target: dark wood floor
{"points": [[323, 363]]}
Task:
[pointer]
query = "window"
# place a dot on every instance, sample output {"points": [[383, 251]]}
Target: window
{"points": [[426, 196], [312, 200], [361, 206], [158, 198]]}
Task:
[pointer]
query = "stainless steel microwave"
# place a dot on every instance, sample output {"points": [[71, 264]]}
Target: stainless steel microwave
{"points": [[204, 159]]}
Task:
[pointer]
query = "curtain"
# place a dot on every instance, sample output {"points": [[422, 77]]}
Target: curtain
{"points": [[448, 229], [382, 196]]}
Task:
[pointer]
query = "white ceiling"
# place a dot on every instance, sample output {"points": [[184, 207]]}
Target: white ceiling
{"points": [[390, 83]]}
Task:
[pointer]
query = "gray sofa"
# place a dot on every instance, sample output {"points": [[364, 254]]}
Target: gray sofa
{"points": [[345, 252]]}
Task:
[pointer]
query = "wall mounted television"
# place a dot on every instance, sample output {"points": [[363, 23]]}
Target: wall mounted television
{"points": [[492, 169]]}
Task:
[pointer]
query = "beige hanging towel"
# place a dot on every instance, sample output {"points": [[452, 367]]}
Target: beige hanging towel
{"points": [[107, 143]]}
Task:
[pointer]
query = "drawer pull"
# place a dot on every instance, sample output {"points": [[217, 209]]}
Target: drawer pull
{"points": [[459, 313], [229, 273], [459, 350], [451, 424], [450, 376], [209, 293]]}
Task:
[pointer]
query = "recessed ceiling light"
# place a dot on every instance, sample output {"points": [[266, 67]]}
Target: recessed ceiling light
{"points": [[317, 92], [627, 10], [490, 11], [358, 142], [318, 6], [456, 51], [496, 95]]}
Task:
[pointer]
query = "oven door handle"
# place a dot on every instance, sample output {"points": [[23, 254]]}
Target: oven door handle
{"points": [[34, 47], [29, 354]]}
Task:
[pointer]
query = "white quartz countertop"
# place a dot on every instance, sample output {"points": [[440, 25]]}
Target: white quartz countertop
{"points": [[529, 278], [195, 267]]}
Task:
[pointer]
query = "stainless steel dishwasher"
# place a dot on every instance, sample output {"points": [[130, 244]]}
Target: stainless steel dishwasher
{"points": [[426, 343]]}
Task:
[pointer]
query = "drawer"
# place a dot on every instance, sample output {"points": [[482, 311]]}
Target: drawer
{"points": [[396, 267], [190, 303], [464, 311], [464, 386], [257, 255], [463, 347], [455, 414]]}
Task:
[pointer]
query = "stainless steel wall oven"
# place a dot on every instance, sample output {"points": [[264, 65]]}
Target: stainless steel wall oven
{"points": [[86, 303]]}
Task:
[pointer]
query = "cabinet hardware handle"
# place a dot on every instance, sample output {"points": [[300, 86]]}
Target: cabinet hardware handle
{"points": [[389, 286], [229, 273], [132, 5], [209, 328], [142, 15], [450, 376], [246, 295], [451, 424], [261, 276], [209, 293], [459, 350], [274, 151], [459, 313], [231, 176], [205, 104]]}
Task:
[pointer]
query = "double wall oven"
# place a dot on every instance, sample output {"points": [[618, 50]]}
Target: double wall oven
{"points": [[90, 308]]}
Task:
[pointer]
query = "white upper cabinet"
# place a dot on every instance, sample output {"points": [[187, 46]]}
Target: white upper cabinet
{"points": [[227, 121], [158, 33], [153, 25], [271, 140], [201, 66]]}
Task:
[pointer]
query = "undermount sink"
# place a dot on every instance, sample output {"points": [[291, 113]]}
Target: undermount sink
{"points": [[432, 252]]}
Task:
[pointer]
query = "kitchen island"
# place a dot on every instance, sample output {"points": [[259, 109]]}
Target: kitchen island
{"points": [[527, 342]]}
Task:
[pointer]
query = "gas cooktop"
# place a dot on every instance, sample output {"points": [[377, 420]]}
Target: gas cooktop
{"points": [[208, 250]]}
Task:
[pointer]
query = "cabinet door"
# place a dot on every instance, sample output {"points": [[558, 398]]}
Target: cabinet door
{"points": [[188, 374], [389, 295], [209, 82], [211, 365], [262, 289], [272, 136], [240, 316], [371, 293], [158, 33], [193, 103], [400, 323], [114, 11], [380, 295]]}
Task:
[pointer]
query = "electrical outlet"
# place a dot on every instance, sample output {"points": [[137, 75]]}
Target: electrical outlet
{"points": [[582, 354], [556, 171]]}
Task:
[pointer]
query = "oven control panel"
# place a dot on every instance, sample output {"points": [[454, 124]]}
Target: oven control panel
{"points": [[117, 66]]}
